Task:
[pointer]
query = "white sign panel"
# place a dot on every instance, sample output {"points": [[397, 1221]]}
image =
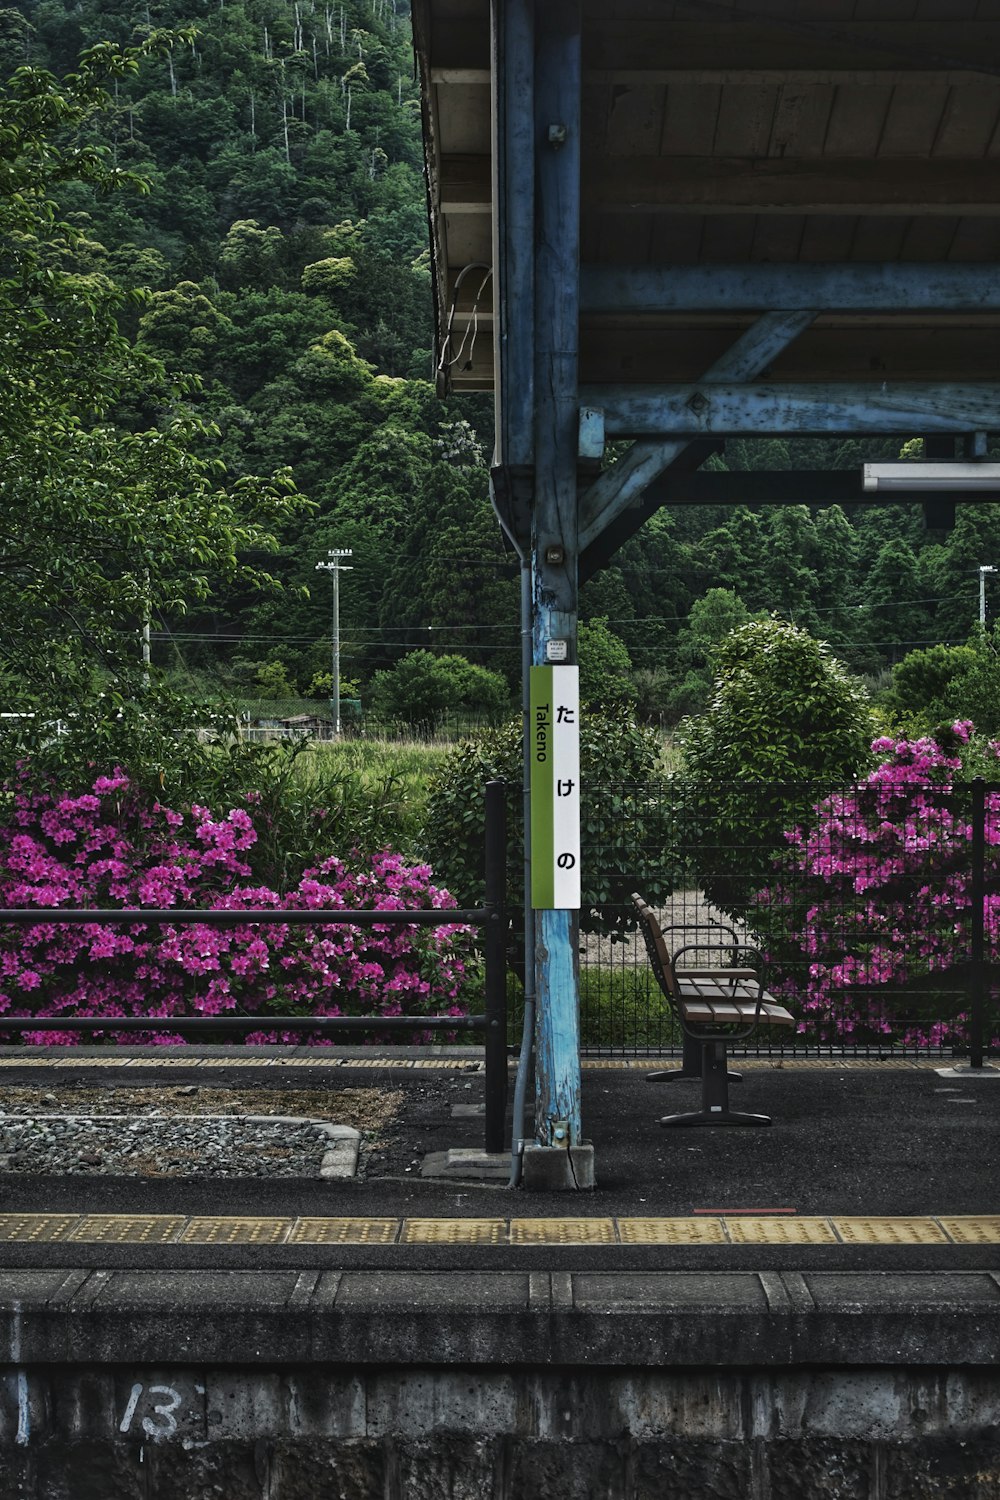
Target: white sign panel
{"points": [[555, 788]]}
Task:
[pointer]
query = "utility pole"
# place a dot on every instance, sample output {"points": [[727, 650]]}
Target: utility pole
{"points": [[984, 569], [335, 568], [146, 613]]}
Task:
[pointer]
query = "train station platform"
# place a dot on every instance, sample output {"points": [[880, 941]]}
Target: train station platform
{"points": [[806, 1310]]}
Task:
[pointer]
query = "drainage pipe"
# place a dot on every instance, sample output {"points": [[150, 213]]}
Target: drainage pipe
{"points": [[528, 1027]]}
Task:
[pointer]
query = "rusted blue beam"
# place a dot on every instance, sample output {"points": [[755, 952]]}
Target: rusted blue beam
{"points": [[836, 287], [619, 487], [513, 44], [852, 407]]}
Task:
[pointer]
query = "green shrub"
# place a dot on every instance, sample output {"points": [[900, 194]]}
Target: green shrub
{"points": [[307, 806], [942, 683], [423, 688], [628, 838], [786, 723], [605, 667]]}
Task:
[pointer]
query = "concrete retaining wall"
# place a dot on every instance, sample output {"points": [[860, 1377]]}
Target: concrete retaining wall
{"points": [[300, 1386], [474, 1434]]}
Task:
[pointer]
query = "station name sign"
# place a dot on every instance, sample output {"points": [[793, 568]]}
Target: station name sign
{"points": [[555, 788]]}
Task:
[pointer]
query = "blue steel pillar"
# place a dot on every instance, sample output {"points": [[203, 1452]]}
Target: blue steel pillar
{"points": [[558, 1159]]}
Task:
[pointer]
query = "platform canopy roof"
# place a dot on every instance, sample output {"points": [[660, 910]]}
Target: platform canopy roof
{"points": [[739, 157]]}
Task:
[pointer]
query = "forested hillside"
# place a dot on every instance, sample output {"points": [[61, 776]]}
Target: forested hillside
{"points": [[280, 250]]}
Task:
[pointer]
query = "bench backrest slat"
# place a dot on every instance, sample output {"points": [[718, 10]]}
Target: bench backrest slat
{"points": [[656, 947]]}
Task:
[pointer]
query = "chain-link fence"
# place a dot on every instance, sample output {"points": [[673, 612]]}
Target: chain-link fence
{"points": [[876, 910]]}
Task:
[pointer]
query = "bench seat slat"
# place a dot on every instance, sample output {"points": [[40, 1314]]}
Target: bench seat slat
{"points": [[709, 989], [705, 1011], [683, 974]]}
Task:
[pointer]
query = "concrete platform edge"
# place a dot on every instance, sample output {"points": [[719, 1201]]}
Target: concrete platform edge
{"points": [[514, 1318]]}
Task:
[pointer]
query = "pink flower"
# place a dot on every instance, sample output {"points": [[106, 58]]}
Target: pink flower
{"points": [[109, 846]]}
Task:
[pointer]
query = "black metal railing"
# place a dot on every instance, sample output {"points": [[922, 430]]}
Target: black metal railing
{"points": [[906, 965], [491, 917]]}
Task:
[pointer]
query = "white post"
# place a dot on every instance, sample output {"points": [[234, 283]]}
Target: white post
{"points": [[335, 568], [984, 569]]}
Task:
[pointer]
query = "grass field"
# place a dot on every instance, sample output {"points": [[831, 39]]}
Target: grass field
{"points": [[394, 774]]}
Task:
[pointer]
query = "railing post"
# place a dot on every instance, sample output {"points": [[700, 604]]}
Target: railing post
{"points": [[495, 946], [978, 897]]}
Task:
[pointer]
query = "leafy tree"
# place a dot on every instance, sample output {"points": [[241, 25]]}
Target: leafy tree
{"points": [[422, 688], [102, 526], [183, 328], [899, 617], [605, 667], [783, 711], [712, 618], [923, 684], [448, 570], [783, 708], [250, 255], [837, 567], [273, 680], [945, 683]]}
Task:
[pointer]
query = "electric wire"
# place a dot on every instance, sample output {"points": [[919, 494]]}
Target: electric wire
{"points": [[473, 326]]}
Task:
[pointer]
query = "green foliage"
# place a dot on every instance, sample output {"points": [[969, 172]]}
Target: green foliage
{"points": [[782, 709], [250, 254], [182, 327], [922, 684], [273, 680], [712, 618], [330, 276], [422, 688], [308, 805], [283, 236], [605, 667], [943, 683], [628, 837], [622, 1007], [104, 525], [786, 723]]}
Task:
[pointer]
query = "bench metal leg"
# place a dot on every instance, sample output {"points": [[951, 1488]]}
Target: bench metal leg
{"points": [[715, 1094], [690, 1066]]}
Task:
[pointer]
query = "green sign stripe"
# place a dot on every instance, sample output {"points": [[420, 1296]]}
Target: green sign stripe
{"points": [[542, 791]]}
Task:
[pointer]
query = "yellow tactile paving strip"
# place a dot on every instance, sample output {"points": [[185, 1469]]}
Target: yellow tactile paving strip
{"points": [[734, 1230]]}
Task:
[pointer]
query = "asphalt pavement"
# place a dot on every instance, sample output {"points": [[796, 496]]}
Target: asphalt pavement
{"points": [[876, 1142]]}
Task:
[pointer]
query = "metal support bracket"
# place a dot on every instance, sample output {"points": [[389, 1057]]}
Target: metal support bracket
{"points": [[591, 441], [618, 487]]}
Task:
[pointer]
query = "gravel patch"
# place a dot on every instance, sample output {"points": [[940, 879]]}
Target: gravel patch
{"points": [[177, 1145], [370, 1110]]}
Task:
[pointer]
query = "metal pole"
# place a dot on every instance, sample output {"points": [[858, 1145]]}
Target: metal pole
{"points": [[978, 895], [555, 524], [526, 1057], [146, 612], [335, 690], [496, 968]]}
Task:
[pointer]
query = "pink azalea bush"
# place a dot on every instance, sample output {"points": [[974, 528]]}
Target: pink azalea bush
{"points": [[113, 846], [876, 894]]}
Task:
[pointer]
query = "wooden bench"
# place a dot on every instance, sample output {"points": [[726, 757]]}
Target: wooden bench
{"points": [[714, 1007]]}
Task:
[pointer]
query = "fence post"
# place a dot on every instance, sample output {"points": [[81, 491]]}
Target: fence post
{"points": [[978, 896], [495, 946]]}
